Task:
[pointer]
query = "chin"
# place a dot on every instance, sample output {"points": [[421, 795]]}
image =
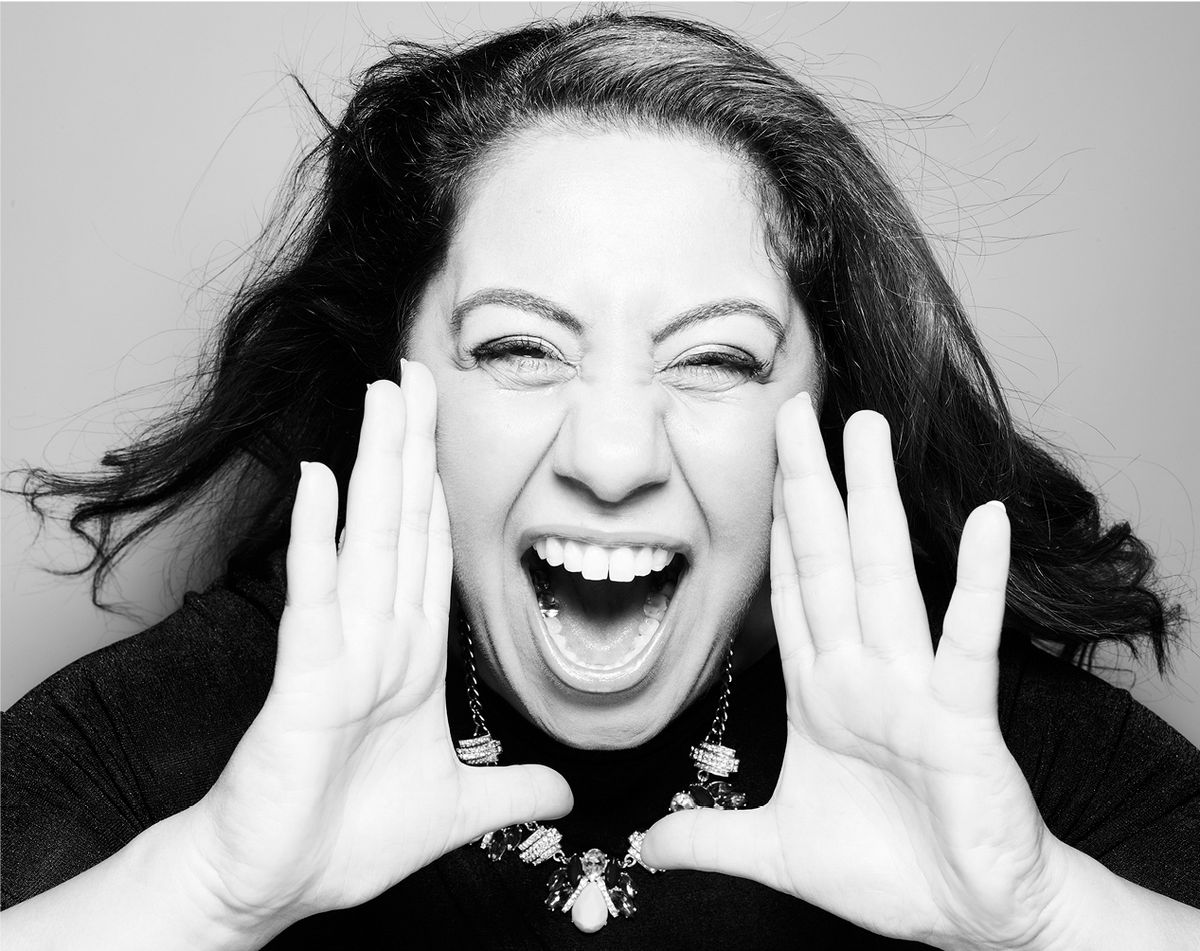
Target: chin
{"points": [[621, 723]]}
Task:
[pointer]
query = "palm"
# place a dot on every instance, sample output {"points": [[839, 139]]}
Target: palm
{"points": [[895, 797], [898, 805], [347, 781]]}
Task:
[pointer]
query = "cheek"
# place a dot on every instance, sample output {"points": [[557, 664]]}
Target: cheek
{"points": [[727, 457], [487, 449]]}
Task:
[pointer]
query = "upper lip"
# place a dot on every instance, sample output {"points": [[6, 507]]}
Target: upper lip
{"points": [[607, 539]]}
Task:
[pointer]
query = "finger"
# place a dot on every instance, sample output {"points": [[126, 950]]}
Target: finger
{"points": [[440, 564], [732, 842], [498, 796], [367, 568], [966, 668], [418, 460], [310, 629], [816, 528], [787, 609], [891, 611]]}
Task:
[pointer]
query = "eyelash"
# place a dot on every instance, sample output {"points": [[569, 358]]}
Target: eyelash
{"points": [[750, 367], [713, 366], [508, 349]]}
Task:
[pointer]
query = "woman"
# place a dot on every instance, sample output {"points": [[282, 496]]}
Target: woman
{"points": [[642, 281]]}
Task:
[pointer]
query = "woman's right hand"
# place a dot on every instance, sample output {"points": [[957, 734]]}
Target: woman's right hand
{"points": [[347, 781]]}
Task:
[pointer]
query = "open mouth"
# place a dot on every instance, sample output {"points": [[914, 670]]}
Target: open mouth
{"points": [[602, 609]]}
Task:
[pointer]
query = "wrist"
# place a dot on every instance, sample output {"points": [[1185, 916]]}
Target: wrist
{"points": [[157, 893], [1097, 909], [1082, 904], [1029, 914], [215, 883]]}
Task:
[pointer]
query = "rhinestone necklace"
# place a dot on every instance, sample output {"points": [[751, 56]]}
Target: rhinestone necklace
{"points": [[590, 885]]}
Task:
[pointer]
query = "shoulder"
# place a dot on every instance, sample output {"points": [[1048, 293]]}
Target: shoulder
{"points": [[147, 724], [218, 642], [138, 730], [1044, 699], [1110, 777]]}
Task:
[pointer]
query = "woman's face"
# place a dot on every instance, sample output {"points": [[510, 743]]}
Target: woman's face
{"points": [[611, 342]]}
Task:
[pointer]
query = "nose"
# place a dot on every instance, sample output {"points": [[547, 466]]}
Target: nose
{"points": [[613, 442]]}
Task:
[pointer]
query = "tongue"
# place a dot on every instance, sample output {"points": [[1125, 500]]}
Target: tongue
{"points": [[600, 619]]}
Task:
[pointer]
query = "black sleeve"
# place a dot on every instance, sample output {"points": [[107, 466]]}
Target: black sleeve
{"points": [[1111, 778], [131, 734]]}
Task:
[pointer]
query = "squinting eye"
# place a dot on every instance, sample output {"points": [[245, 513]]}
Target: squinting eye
{"points": [[522, 360], [715, 369]]}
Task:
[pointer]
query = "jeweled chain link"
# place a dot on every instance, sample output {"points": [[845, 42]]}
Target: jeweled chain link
{"points": [[473, 699], [716, 732]]}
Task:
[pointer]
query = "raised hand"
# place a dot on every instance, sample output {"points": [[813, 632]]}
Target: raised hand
{"points": [[347, 781], [898, 806]]}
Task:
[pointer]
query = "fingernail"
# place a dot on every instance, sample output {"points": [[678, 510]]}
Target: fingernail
{"points": [[998, 504], [303, 465], [804, 397]]}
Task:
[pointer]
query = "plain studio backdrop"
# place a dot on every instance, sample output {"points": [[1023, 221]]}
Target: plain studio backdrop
{"points": [[1052, 149]]}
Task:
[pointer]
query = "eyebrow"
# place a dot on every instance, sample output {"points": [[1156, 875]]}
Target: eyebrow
{"points": [[520, 300], [722, 308], [532, 303]]}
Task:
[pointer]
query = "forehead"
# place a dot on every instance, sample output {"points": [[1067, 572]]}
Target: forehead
{"points": [[616, 219]]}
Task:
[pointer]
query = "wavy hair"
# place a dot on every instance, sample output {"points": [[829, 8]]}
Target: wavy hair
{"points": [[372, 210]]}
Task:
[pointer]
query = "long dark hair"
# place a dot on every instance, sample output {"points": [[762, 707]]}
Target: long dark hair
{"points": [[371, 212]]}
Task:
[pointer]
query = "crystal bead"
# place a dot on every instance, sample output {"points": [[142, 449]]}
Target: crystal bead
{"points": [[725, 796], [495, 844], [594, 861], [681, 801], [561, 888], [559, 879], [701, 796], [624, 903]]}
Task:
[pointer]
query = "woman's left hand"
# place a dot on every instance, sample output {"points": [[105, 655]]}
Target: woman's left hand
{"points": [[898, 807]]}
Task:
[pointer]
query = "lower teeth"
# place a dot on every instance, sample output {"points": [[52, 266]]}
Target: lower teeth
{"points": [[654, 609], [553, 627]]}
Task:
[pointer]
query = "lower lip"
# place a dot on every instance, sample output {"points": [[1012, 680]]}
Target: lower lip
{"points": [[586, 679]]}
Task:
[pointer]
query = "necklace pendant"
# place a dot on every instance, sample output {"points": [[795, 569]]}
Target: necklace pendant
{"points": [[589, 913], [591, 888]]}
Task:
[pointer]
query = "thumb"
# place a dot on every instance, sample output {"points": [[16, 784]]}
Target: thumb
{"points": [[498, 796], [709, 840]]}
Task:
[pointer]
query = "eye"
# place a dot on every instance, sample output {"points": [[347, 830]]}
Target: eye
{"points": [[522, 360], [715, 368]]}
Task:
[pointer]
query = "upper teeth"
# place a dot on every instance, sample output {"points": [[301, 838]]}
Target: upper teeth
{"points": [[596, 562]]}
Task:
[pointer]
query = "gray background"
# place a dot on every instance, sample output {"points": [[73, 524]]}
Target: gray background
{"points": [[1052, 148]]}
